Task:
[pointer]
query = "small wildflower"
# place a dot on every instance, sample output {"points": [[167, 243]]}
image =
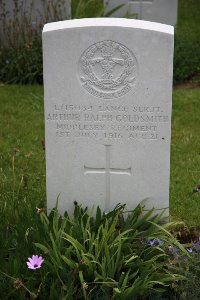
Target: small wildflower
{"points": [[190, 250], [35, 262], [40, 210], [82, 262], [173, 252], [173, 249], [85, 286], [150, 243], [170, 248], [196, 246], [155, 242], [17, 283], [197, 188], [75, 203]]}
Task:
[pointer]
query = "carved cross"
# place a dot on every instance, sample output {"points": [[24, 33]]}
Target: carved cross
{"points": [[107, 171]]}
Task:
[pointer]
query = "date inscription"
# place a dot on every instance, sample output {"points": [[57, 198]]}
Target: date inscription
{"points": [[108, 122]]}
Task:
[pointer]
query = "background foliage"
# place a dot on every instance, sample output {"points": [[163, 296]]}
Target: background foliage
{"points": [[187, 42], [21, 54]]}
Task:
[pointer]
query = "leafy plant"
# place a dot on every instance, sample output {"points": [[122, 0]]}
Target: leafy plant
{"points": [[22, 64], [186, 58], [107, 256]]}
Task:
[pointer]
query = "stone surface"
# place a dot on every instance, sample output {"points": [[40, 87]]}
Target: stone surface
{"points": [[161, 11], [108, 93]]}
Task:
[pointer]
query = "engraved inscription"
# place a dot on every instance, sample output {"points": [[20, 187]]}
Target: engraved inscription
{"points": [[108, 122], [107, 171], [108, 70]]}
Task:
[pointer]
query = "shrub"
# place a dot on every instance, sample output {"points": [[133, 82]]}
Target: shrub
{"points": [[186, 58], [187, 41], [22, 64]]}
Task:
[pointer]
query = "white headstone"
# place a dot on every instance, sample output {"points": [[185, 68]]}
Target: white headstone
{"points": [[161, 11], [108, 94]]}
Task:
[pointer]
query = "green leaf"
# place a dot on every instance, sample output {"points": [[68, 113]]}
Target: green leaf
{"points": [[98, 216], [42, 247], [125, 280], [55, 250], [69, 262], [117, 290], [131, 259], [82, 282], [79, 249], [112, 11]]}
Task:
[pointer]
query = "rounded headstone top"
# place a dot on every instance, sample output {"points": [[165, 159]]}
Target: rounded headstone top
{"points": [[109, 22]]}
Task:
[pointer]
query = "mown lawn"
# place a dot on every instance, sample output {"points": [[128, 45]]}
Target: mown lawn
{"points": [[22, 163], [185, 156]]}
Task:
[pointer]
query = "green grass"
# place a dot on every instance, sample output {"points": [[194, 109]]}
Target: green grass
{"points": [[185, 156], [22, 163]]}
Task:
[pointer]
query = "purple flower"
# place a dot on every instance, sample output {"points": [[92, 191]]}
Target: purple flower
{"points": [[173, 249], [196, 245], [35, 262], [155, 242], [190, 250], [150, 243], [197, 188]]}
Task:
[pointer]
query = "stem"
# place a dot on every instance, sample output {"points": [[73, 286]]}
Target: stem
{"points": [[13, 170]]}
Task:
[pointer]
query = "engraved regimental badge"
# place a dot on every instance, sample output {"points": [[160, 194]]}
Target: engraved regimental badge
{"points": [[108, 70]]}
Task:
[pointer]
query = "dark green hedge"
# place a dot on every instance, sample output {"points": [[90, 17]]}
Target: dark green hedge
{"points": [[22, 65], [187, 41], [186, 59]]}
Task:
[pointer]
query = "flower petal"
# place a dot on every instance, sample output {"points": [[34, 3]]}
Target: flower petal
{"points": [[30, 266], [31, 260]]}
